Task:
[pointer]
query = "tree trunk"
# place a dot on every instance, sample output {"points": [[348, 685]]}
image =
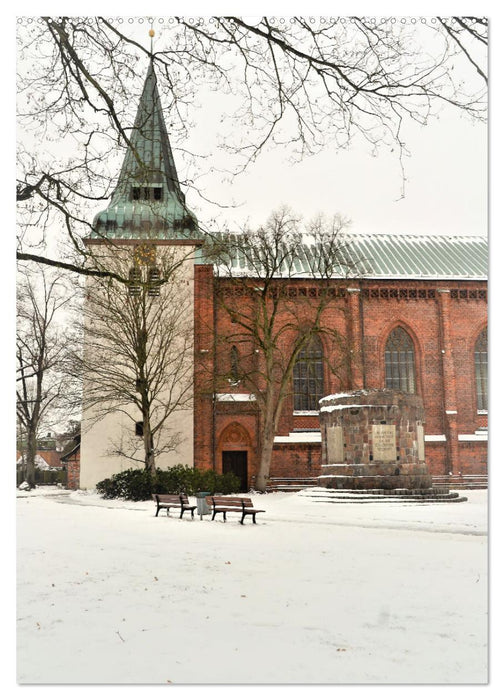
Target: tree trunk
{"points": [[263, 473], [149, 458], [31, 452], [267, 441]]}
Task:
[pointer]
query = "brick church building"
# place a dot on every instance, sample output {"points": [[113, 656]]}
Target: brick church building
{"points": [[417, 322], [414, 319]]}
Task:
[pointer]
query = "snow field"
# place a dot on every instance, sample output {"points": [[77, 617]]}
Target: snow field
{"points": [[314, 593]]}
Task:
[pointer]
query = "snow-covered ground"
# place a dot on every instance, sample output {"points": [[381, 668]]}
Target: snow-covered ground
{"points": [[314, 593]]}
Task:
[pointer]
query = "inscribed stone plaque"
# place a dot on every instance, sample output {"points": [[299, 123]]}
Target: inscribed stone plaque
{"points": [[384, 443], [335, 452], [421, 443]]}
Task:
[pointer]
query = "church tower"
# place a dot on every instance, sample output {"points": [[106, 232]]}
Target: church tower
{"points": [[148, 237]]}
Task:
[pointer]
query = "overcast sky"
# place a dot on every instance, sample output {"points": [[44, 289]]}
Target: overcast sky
{"points": [[445, 189]]}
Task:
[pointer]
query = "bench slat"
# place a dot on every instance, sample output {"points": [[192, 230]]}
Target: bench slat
{"points": [[171, 500], [231, 504]]}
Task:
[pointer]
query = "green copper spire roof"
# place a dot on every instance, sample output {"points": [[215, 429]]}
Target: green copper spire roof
{"points": [[147, 202]]}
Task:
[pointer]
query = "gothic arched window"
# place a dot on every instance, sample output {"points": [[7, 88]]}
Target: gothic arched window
{"points": [[480, 369], [234, 361], [400, 361], [309, 377]]}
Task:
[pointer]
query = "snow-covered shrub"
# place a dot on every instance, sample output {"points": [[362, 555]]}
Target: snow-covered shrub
{"points": [[139, 484]]}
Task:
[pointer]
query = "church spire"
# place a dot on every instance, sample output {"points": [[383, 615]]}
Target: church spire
{"points": [[147, 202]]}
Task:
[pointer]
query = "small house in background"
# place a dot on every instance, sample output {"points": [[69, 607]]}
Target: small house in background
{"points": [[50, 466], [40, 462], [71, 461]]}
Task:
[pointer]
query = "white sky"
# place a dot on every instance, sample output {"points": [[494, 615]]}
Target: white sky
{"points": [[445, 191], [446, 175]]}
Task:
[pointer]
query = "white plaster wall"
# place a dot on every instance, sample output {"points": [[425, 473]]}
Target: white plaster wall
{"points": [[98, 437]]}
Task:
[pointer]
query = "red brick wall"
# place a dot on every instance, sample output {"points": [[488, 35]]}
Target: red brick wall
{"points": [[300, 460], [435, 457], [73, 471], [473, 457], [204, 425], [435, 320]]}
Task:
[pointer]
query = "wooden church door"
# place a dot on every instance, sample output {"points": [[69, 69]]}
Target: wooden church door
{"points": [[235, 462]]}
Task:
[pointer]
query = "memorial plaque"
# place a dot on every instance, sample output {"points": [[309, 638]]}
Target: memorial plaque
{"points": [[335, 452], [384, 443], [421, 443]]}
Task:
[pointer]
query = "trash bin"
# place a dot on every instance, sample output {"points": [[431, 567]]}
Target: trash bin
{"points": [[202, 506]]}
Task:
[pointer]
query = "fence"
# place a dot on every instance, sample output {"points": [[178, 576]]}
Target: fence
{"points": [[44, 477]]}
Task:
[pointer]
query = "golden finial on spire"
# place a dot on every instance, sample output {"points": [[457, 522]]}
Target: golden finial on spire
{"points": [[151, 34]]}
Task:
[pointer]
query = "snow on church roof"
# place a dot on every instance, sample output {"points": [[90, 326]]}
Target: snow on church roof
{"points": [[421, 256], [396, 256]]}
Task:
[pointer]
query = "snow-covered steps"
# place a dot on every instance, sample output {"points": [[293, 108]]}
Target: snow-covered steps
{"points": [[462, 481], [290, 483], [434, 495]]}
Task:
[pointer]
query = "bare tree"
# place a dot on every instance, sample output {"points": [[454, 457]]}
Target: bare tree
{"points": [[44, 389], [138, 350], [262, 289], [301, 80]]}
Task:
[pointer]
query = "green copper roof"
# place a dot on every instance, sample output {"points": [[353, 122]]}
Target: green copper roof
{"points": [[388, 256], [147, 202]]}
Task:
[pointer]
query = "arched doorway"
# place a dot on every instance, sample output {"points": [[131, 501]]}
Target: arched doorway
{"points": [[234, 447]]}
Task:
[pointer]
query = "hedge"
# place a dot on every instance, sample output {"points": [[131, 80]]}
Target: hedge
{"points": [[139, 484]]}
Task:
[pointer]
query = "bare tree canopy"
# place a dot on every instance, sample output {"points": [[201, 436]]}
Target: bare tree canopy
{"points": [[301, 81], [45, 391], [138, 353], [262, 290]]}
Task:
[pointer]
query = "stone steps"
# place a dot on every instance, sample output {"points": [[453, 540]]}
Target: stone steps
{"points": [[290, 484], [446, 482], [454, 497], [434, 495], [466, 481]]}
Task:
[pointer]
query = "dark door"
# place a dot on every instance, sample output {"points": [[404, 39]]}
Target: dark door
{"points": [[236, 463]]}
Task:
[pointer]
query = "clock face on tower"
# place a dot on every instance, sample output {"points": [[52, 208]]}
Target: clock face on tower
{"points": [[145, 254]]}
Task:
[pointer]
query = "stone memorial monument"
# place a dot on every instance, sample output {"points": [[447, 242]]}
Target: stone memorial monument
{"points": [[373, 439]]}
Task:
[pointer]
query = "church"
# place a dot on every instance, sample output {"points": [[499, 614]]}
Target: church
{"points": [[414, 319]]}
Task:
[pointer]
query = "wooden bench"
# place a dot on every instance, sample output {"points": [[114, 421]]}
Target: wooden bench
{"points": [[169, 500], [232, 504]]}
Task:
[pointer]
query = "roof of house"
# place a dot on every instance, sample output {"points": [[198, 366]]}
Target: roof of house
{"points": [[71, 448], [40, 462], [387, 256]]}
